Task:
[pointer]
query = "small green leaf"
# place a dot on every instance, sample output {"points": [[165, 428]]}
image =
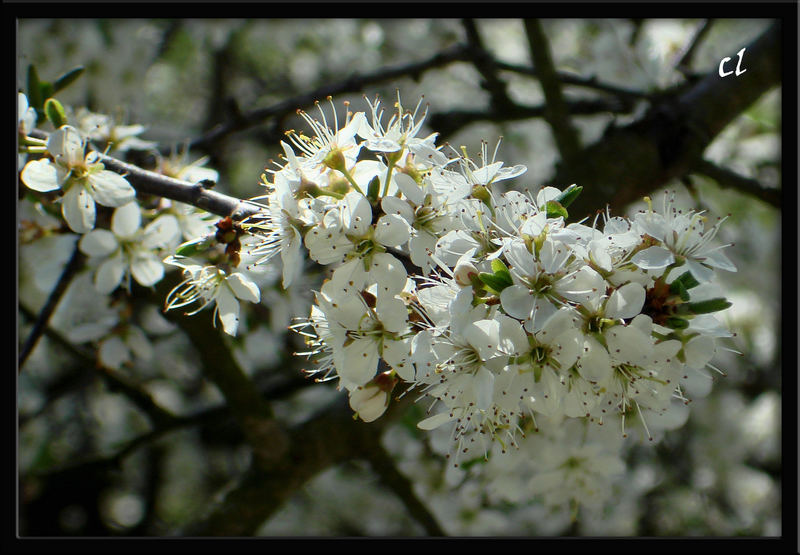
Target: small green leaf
{"points": [[677, 323], [190, 248], [569, 195], [688, 281], [678, 288], [496, 282], [711, 305], [373, 189], [68, 78], [555, 209], [498, 266], [34, 92], [55, 112], [46, 89]]}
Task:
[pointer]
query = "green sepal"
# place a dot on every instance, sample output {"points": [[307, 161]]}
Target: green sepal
{"points": [[686, 279], [373, 189], [496, 282], [499, 266], [46, 89], [55, 112], [678, 288], [480, 459], [537, 373], [569, 195], [555, 209], [68, 78], [711, 305], [201, 244], [677, 323]]}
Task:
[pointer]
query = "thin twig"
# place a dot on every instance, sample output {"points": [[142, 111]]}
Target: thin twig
{"points": [[684, 64], [578, 81], [74, 264], [729, 179], [353, 83]]}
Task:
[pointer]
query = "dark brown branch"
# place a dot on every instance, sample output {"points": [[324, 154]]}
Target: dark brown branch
{"points": [[383, 465], [578, 81], [684, 64], [447, 123], [72, 267], [556, 112], [252, 412], [196, 194], [354, 83], [631, 161], [729, 179], [485, 64]]}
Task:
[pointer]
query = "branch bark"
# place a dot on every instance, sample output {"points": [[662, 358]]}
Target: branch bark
{"points": [[630, 162]]}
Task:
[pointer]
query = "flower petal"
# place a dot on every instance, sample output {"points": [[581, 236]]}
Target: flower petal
{"points": [[227, 310], [653, 258], [77, 207], [98, 242], [126, 220], [243, 287], [40, 175], [110, 188], [147, 269]]}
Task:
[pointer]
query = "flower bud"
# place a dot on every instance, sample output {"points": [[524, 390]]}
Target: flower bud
{"points": [[464, 273], [369, 401]]}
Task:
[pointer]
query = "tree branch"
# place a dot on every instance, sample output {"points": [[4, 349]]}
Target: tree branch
{"points": [[556, 112], [74, 264], [729, 179], [354, 83], [631, 161], [383, 465]]}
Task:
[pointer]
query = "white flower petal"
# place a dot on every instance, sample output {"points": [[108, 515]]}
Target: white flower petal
{"points": [[77, 207], [147, 269], [227, 310], [126, 220], [40, 175], [391, 231], [243, 287], [435, 421], [358, 361], [109, 274], [653, 258], [110, 188], [113, 353], [161, 232], [625, 302], [484, 388], [98, 242]]}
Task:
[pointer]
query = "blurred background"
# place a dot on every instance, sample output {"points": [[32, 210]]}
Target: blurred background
{"points": [[719, 475]]}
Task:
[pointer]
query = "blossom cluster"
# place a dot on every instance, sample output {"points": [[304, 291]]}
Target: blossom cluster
{"points": [[486, 301], [440, 281]]}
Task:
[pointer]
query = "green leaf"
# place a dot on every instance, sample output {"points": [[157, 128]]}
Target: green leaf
{"points": [[687, 279], [498, 266], [555, 209], [55, 112], [678, 288], [496, 282], [569, 195], [373, 189], [190, 248], [34, 92], [677, 323], [46, 89], [68, 78], [711, 305]]}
